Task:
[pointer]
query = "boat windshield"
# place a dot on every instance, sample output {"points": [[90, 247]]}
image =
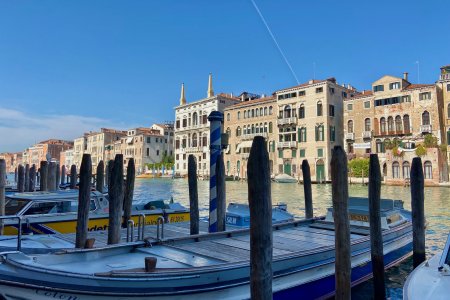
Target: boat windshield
{"points": [[55, 207], [14, 206]]}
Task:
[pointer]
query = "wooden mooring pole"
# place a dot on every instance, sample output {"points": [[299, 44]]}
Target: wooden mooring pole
{"points": [[27, 178], [116, 194], [260, 204], [43, 176], [100, 183], [32, 183], [51, 178], [58, 174], [193, 194], [307, 189], [15, 175], [73, 177], [21, 179], [129, 190], [84, 199], [63, 174], [109, 172], [376, 236], [221, 197], [339, 185], [418, 211], [2, 191]]}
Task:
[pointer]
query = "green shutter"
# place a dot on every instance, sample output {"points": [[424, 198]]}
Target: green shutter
{"points": [[304, 134], [280, 153], [273, 146], [320, 152], [317, 133], [299, 138], [302, 152], [448, 137], [294, 153]]}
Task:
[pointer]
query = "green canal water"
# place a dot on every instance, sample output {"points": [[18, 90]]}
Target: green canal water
{"points": [[437, 212]]}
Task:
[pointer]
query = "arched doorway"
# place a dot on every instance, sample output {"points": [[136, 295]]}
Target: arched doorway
{"points": [[384, 170], [320, 171], [287, 167]]}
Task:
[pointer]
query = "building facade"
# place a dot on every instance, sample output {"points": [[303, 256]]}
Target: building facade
{"points": [[66, 159], [444, 87], [79, 148], [39, 152], [97, 142], [12, 160]]}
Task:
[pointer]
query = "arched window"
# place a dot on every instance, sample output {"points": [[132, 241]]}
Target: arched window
{"points": [[319, 133], [428, 170], [380, 146], [270, 126], [257, 113], [390, 125], [260, 111], [228, 166], [448, 111], [287, 111], [265, 111], [238, 167], [195, 119], [239, 115], [245, 129], [253, 113], [245, 114], [319, 108], [270, 110], [265, 127], [228, 116], [383, 125], [367, 124], [395, 170], [398, 124], [350, 126], [406, 126], [426, 118], [301, 111], [253, 128], [194, 140], [406, 170], [257, 129], [238, 131], [229, 132]]}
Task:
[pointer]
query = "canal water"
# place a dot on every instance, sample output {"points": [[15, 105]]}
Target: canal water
{"points": [[437, 212]]}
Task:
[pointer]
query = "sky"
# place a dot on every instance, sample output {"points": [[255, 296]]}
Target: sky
{"points": [[67, 67]]}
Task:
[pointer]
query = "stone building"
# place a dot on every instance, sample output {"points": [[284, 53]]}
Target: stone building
{"points": [[192, 128], [444, 87], [66, 159], [97, 142], [12, 160], [395, 115], [242, 122], [79, 148], [310, 122], [39, 152], [167, 130]]}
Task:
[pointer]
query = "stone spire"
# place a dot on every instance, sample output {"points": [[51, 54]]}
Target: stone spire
{"points": [[182, 97], [210, 88]]}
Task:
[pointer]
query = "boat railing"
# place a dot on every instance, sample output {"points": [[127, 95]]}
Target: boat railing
{"points": [[19, 228], [158, 221], [141, 227], [130, 231]]}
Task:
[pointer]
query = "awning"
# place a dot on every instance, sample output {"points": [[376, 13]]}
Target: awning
{"points": [[244, 144], [129, 140]]}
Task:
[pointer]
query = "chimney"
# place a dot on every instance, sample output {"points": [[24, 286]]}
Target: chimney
{"points": [[405, 76]]}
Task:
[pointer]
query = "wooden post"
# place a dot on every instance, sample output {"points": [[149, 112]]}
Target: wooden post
{"points": [[32, 184], [100, 176], [261, 238], [73, 177], [21, 179], [418, 211], [58, 174], [221, 193], [51, 178], [116, 194], [307, 189], [339, 185], [376, 236], [109, 172], [15, 175], [84, 200], [43, 174], [27, 178], [63, 174], [129, 190], [193, 194], [2, 191]]}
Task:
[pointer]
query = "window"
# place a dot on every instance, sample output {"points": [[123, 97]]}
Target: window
{"points": [[280, 153], [350, 106], [380, 146], [294, 153], [239, 115], [331, 112], [302, 135], [319, 108], [257, 113], [390, 124], [394, 86], [302, 152], [265, 111], [332, 133], [367, 104], [228, 118], [148, 151], [301, 111], [177, 124], [406, 170], [157, 152], [319, 90], [378, 88], [448, 87], [350, 126], [270, 127], [448, 137], [245, 114], [331, 90], [253, 113], [406, 98], [383, 125], [238, 131], [398, 124], [148, 140], [320, 152], [184, 122], [428, 170], [395, 170], [448, 110], [367, 126], [260, 111], [302, 93], [426, 118], [319, 133], [425, 96], [270, 110], [344, 94]]}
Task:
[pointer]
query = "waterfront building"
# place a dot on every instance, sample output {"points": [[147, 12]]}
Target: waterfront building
{"points": [[254, 116], [444, 87], [39, 152], [97, 142], [12, 160], [310, 122], [79, 148], [66, 159], [391, 120], [192, 128], [167, 131]]}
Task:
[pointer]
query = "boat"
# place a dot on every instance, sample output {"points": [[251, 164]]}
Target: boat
{"points": [[239, 214], [56, 212], [210, 266], [431, 279], [284, 178]]}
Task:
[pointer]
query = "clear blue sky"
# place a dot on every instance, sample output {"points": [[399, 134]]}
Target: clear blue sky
{"points": [[71, 66]]}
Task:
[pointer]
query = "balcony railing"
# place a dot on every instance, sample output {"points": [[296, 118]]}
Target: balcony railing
{"points": [[245, 155], [350, 136], [250, 136], [425, 128], [367, 134], [287, 145], [285, 121]]}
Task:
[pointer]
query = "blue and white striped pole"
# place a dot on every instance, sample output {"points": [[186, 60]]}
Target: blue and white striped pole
{"points": [[215, 119]]}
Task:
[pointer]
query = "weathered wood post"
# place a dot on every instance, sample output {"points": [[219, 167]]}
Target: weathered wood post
{"points": [[418, 211], [193, 194], [73, 177], [63, 174], [15, 175], [38, 176], [339, 182], [129, 190], [100, 176], [32, 184], [21, 179], [109, 172], [43, 176], [84, 199], [58, 174], [221, 190], [261, 238], [376, 236], [51, 178], [2, 191], [115, 193], [307, 189], [27, 178]]}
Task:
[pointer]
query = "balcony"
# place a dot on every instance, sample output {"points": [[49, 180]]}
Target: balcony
{"points": [[193, 149], [425, 128], [287, 121], [350, 136], [245, 155], [250, 136], [367, 134], [287, 144]]}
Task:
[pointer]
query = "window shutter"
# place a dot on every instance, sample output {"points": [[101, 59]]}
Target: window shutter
{"points": [[299, 139], [317, 133]]}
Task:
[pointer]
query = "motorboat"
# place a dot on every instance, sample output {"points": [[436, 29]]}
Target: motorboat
{"points": [[239, 214], [284, 178]]}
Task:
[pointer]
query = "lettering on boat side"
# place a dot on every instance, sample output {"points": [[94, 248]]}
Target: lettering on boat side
{"points": [[55, 295], [176, 219], [362, 218], [231, 220]]}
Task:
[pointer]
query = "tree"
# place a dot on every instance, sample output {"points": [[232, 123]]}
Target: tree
{"points": [[359, 167]]}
